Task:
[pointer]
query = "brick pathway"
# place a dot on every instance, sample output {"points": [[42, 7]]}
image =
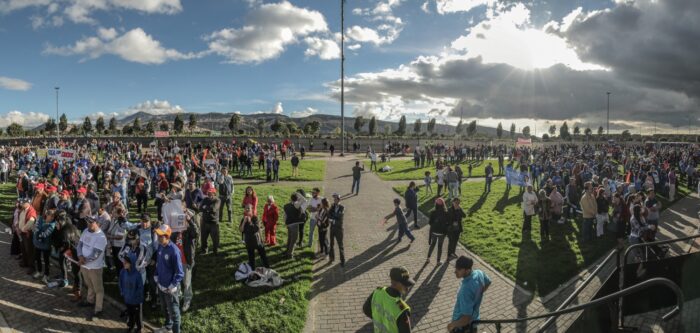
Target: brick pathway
{"points": [[29, 306], [371, 250]]}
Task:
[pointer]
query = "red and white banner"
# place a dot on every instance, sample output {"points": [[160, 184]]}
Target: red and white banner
{"points": [[61, 154], [523, 142], [161, 134]]}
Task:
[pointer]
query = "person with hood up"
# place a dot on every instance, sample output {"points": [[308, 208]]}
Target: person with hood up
{"points": [[131, 288]]}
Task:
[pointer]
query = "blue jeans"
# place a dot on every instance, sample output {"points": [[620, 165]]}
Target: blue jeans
{"points": [[403, 229], [355, 186], [312, 226], [171, 309], [587, 232]]}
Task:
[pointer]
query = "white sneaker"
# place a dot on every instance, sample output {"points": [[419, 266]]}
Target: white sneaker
{"points": [[45, 279], [36, 275]]}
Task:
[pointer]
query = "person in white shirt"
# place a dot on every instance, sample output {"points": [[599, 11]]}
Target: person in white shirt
{"points": [[91, 255], [4, 168], [314, 205], [528, 205]]}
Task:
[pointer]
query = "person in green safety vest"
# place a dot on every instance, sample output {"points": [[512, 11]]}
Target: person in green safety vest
{"points": [[386, 307]]}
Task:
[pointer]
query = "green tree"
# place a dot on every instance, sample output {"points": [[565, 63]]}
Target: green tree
{"points": [[577, 131], [136, 125], [417, 126], [178, 124], [113, 125], [292, 127], [545, 136], [564, 131], [387, 129], [260, 124], [192, 123], [431, 126], [15, 130], [50, 126], [164, 127], [458, 128], [401, 131], [600, 131], [471, 128], [276, 126], [359, 123], [512, 130], [588, 133], [234, 122], [87, 125], [373, 126], [626, 135], [127, 130], [151, 126], [63, 123], [552, 129], [526, 131], [100, 125], [499, 130]]}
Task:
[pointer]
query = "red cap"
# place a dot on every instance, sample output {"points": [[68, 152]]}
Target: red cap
{"points": [[51, 188], [81, 190], [65, 192], [212, 190], [40, 186]]}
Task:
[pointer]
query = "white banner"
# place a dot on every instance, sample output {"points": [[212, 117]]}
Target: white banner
{"points": [[61, 154]]}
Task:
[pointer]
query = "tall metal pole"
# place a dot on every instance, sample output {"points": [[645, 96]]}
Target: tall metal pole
{"points": [[608, 134], [58, 136], [342, 76]]}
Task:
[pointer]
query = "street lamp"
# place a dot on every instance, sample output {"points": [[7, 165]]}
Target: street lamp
{"points": [[58, 136], [608, 134], [342, 77]]}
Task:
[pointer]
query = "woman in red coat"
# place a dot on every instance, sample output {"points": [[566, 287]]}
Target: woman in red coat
{"points": [[269, 218], [250, 198]]}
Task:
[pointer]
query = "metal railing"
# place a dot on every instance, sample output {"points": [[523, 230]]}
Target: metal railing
{"points": [[619, 294], [621, 263], [614, 253]]}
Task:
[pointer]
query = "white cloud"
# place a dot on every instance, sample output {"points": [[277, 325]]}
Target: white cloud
{"points": [[508, 37], [277, 109], [80, 11], [452, 6], [354, 46], [29, 119], [269, 29], [425, 7], [386, 27], [325, 49], [14, 84], [155, 107], [135, 46], [304, 113]]}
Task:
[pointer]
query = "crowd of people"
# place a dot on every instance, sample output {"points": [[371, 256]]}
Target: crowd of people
{"points": [[92, 211]]}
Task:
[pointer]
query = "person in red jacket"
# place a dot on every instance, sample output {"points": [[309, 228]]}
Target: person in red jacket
{"points": [[270, 216]]}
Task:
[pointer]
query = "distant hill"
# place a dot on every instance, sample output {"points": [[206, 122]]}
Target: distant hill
{"points": [[219, 122]]}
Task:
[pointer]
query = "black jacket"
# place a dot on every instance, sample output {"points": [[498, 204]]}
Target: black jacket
{"points": [[292, 214], [210, 210], [455, 217], [335, 218], [439, 221]]}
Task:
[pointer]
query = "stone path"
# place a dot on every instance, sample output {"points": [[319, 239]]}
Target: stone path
{"points": [[28, 306], [371, 251]]}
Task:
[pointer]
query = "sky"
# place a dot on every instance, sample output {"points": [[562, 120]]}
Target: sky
{"points": [[533, 63]]}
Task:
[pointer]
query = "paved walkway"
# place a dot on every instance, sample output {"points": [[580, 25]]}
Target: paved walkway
{"points": [[28, 306], [371, 250]]}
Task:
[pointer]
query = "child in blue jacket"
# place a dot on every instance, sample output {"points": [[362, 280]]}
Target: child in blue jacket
{"points": [[131, 288]]}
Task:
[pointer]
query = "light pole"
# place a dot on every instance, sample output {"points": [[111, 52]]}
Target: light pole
{"points": [[58, 136], [608, 134], [342, 77]]}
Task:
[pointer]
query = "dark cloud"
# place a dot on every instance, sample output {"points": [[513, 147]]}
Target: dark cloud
{"points": [[655, 43]]}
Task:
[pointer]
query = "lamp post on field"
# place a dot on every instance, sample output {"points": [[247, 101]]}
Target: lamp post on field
{"points": [[608, 134], [58, 136], [342, 77]]}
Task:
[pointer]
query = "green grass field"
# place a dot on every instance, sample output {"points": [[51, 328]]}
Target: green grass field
{"points": [[309, 170], [404, 169]]}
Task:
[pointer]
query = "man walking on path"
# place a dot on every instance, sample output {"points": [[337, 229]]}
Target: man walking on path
{"points": [[411, 197], [452, 179], [488, 172], [400, 220], [335, 218], [356, 174], [91, 256], [469, 297], [386, 307]]}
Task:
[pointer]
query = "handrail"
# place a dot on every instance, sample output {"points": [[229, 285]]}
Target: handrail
{"points": [[621, 264], [633, 289], [580, 288]]}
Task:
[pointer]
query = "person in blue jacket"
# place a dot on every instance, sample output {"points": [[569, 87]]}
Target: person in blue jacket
{"points": [[169, 274], [131, 288], [42, 241]]}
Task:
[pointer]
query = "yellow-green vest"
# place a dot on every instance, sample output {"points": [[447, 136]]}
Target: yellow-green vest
{"points": [[386, 309]]}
